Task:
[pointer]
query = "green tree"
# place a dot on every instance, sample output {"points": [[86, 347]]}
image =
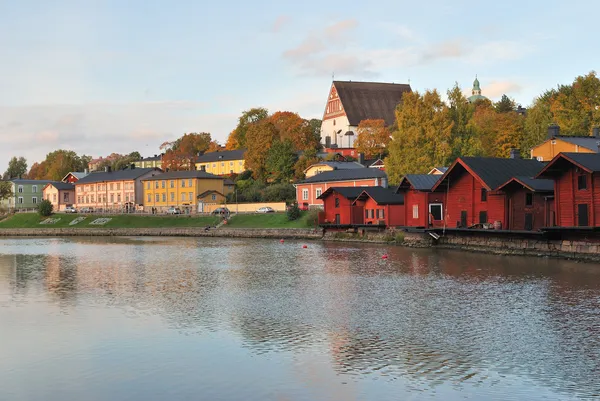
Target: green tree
{"points": [[422, 139], [505, 105], [464, 139], [280, 161], [5, 190], [45, 208], [498, 132], [315, 126], [237, 137], [283, 192], [293, 212], [307, 158], [538, 118], [17, 167], [576, 107]]}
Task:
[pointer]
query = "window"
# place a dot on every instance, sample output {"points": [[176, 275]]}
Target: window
{"points": [[191, 196], [127, 198], [483, 194], [183, 196], [34, 188], [182, 183], [231, 163], [190, 183], [79, 199], [435, 210], [54, 197], [305, 194], [149, 198], [112, 198], [34, 200], [318, 192], [157, 198], [581, 182], [156, 184], [172, 184], [214, 197], [553, 142], [241, 163], [222, 164], [164, 197], [172, 196], [118, 186], [20, 199], [337, 202], [92, 198], [540, 158], [112, 186], [415, 211], [20, 189], [380, 213], [370, 214], [214, 165], [148, 185], [163, 183], [529, 199], [66, 197]]}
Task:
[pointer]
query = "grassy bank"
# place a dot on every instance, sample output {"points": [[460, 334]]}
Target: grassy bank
{"points": [[33, 220], [267, 220]]}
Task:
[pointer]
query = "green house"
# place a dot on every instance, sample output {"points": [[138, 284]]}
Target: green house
{"points": [[26, 194]]}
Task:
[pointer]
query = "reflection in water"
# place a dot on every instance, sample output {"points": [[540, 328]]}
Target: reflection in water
{"points": [[151, 318]]}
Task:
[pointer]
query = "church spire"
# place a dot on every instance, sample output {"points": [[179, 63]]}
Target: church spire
{"points": [[476, 89]]}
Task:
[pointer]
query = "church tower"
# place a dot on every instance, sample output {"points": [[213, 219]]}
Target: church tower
{"points": [[476, 92]]}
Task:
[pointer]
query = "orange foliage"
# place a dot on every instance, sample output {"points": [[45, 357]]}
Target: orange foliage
{"points": [[373, 137]]}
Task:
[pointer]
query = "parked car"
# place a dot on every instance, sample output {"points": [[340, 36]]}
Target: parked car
{"points": [[173, 210], [87, 209], [70, 209], [265, 209], [221, 211]]}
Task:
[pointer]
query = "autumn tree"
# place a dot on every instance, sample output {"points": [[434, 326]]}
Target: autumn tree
{"points": [[260, 137], [576, 107], [373, 138], [498, 132], [57, 164], [17, 167], [422, 139], [182, 153], [464, 139], [237, 137], [5, 190], [294, 128], [538, 118], [213, 146], [280, 161], [306, 159]]}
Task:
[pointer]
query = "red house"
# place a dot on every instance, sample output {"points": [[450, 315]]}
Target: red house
{"points": [[471, 185], [337, 206], [576, 188], [530, 203], [422, 206], [381, 206], [308, 192]]}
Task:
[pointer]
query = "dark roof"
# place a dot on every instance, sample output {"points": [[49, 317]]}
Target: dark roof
{"points": [[203, 194], [63, 186], [77, 174], [151, 158], [338, 165], [495, 171], [370, 100], [558, 165], [370, 162], [422, 182], [346, 192], [221, 156], [533, 184], [127, 174], [32, 182], [383, 196], [588, 142], [346, 175], [590, 161], [183, 174], [228, 182]]}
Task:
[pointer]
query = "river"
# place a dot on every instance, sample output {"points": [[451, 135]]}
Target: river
{"points": [[96, 319]]}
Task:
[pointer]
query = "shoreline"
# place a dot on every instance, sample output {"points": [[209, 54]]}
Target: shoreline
{"points": [[582, 250]]}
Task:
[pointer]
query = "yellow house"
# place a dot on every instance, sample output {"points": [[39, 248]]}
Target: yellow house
{"points": [[179, 189], [150, 162], [222, 163], [321, 167], [556, 144]]}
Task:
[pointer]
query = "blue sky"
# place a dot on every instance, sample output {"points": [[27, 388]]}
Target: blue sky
{"points": [[99, 76]]}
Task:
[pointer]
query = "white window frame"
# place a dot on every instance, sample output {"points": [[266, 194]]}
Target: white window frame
{"points": [[20, 200], [415, 211], [441, 207], [318, 192], [305, 194], [34, 200], [20, 189], [34, 189]]}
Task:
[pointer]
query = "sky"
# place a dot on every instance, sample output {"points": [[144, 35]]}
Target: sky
{"points": [[103, 76]]}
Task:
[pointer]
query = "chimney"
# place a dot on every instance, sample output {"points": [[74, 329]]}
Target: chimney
{"points": [[107, 169], [132, 166], [203, 168], [553, 131], [155, 155], [515, 154], [361, 158], [596, 132], [86, 171]]}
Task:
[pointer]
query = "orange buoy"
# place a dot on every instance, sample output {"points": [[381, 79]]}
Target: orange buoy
{"points": [[304, 246], [281, 240], [385, 256]]}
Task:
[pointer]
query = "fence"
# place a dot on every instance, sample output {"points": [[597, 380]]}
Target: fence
{"points": [[246, 207]]}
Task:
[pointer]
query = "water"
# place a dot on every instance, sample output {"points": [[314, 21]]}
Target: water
{"points": [[219, 319]]}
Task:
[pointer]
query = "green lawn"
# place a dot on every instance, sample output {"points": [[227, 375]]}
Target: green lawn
{"points": [[32, 220], [267, 220]]}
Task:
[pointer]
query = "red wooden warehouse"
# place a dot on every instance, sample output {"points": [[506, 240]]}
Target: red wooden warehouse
{"points": [[530, 203], [471, 185], [422, 207], [381, 206], [337, 206], [576, 188]]}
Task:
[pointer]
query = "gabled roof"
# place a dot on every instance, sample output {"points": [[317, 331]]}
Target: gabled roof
{"points": [[228, 182], [533, 184], [336, 165], [119, 175], [175, 175], [370, 100], [588, 142], [151, 158], [346, 175], [441, 170], [420, 182], [371, 162], [493, 171], [77, 174], [382, 196], [61, 186], [589, 162], [226, 155], [210, 191], [346, 192]]}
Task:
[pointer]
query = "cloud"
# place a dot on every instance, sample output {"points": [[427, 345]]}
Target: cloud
{"points": [[100, 129], [280, 23], [495, 89]]}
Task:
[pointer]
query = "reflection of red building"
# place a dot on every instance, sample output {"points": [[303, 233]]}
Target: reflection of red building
{"points": [[422, 206]]}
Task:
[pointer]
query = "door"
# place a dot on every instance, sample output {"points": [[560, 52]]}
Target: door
{"points": [[435, 212], [337, 219], [483, 217], [529, 221], [463, 218], [582, 215]]}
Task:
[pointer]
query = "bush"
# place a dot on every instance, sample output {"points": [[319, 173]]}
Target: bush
{"points": [[45, 208], [293, 212], [279, 193], [312, 219], [400, 237]]}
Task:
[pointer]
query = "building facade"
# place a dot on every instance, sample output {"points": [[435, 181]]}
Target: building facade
{"points": [[530, 203], [150, 162], [422, 207], [26, 194], [222, 163], [60, 194], [556, 143]]}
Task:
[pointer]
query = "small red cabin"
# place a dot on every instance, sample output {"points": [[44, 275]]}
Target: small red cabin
{"points": [[422, 207], [337, 206], [471, 186], [381, 206], [530, 203], [576, 188]]}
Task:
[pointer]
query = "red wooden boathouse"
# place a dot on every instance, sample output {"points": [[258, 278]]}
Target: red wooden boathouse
{"points": [[530, 203], [381, 206], [422, 207]]}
